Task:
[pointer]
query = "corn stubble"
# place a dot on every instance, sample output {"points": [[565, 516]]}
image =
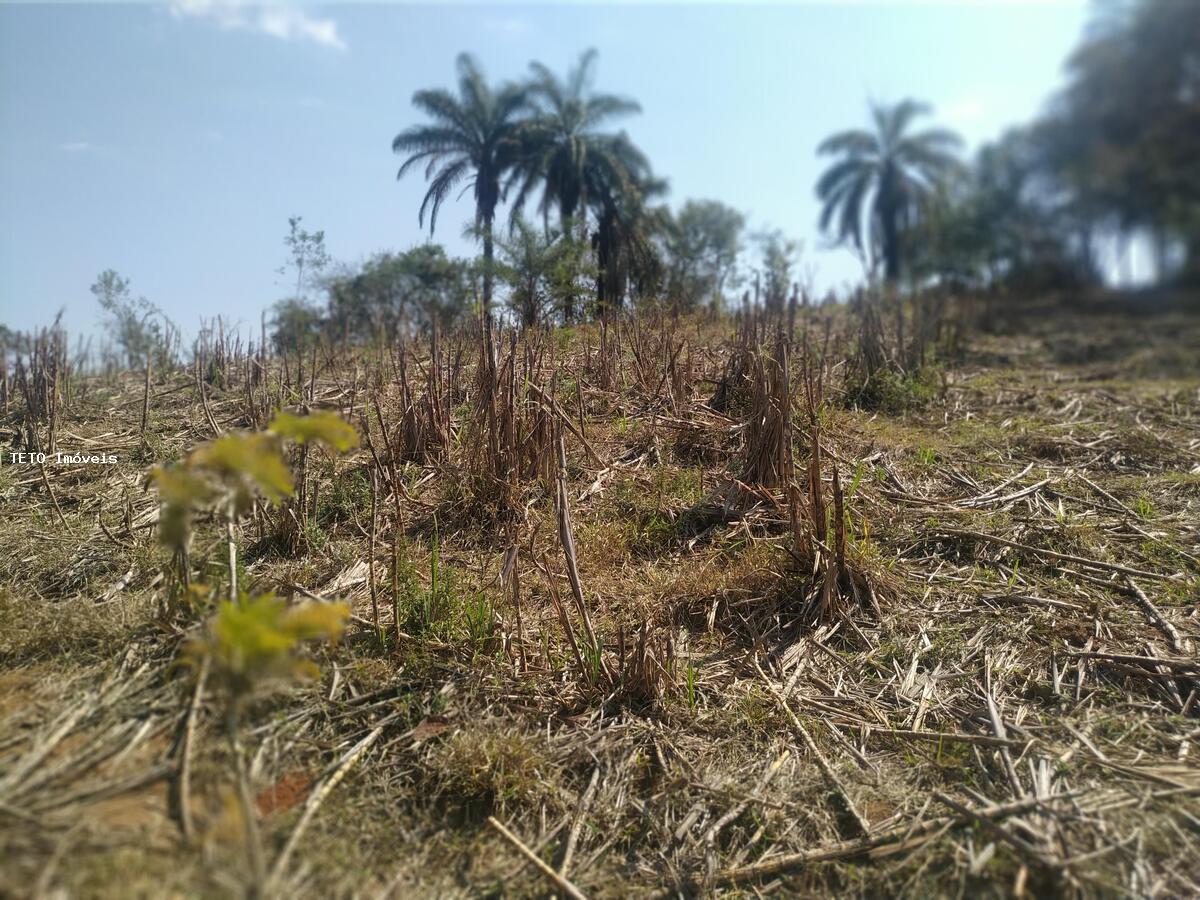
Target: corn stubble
{"points": [[612, 590]]}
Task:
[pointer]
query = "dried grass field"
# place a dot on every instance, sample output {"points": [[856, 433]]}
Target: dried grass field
{"points": [[832, 604]]}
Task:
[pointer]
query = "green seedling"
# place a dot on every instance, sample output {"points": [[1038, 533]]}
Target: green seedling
{"points": [[251, 646]]}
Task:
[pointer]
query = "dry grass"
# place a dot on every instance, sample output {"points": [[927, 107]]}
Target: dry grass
{"points": [[1018, 715]]}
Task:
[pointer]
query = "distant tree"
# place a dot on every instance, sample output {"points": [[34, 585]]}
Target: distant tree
{"points": [[644, 261], [526, 259], [1122, 139], [1002, 223], [872, 193], [571, 275], [295, 325], [580, 167], [401, 293], [135, 325], [946, 245], [563, 148], [702, 245], [624, 241], [307, 256], [545, 271], [368, 299], [472, 138], [779, 257], [440, 288]]}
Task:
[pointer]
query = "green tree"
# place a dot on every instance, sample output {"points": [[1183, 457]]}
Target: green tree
{"points": [[307, 256], [779, 258], [702, 245], [563, 147], [543, 269], [527, 258], [872, 193], [472, 138], [1123, 137], [1000, 224], [580, 167], [439, 287], [626, 225], [369, 299], [401, 292], [295, 325], [133, 323]]}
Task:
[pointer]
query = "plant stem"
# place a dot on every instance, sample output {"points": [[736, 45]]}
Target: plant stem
{"points": [[232, 545], [254, 848]]}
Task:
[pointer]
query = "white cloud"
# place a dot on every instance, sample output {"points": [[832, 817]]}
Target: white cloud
{"points": [[74, 146], [967, 110], [507, 27], [288, 23]]}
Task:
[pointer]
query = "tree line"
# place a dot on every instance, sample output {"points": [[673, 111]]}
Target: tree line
{"points": [[1115, 154]]}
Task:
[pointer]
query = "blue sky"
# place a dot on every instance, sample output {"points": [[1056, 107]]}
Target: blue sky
{"points": [[172, 141]]}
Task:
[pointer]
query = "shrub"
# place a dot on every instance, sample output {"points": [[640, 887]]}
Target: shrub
{"points": [[890, 392]]}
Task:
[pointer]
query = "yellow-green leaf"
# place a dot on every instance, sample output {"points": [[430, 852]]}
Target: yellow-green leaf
{"points": [[256, 639], [321, 426], [317, 620], [255, 457], [179, 492]]}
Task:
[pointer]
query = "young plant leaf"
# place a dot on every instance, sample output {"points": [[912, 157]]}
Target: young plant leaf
{"points": [[256, 640], [321, 427], [242, 460]]}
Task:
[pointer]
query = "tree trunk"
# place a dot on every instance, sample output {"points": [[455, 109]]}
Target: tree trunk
{"points": [[488, 253], [1191, 264], [601, 247], [567, 228], [891, 238]]}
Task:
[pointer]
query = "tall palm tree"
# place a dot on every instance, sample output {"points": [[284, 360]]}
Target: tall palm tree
{"points": [[563, 147], [472, 137], [882, 176]]}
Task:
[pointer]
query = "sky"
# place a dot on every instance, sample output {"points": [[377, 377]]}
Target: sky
{"points": [[172, 141]]}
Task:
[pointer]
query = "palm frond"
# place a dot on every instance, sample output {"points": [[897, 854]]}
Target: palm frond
{"points": [[472, 86], [442, 105], [942, 138], [581, 74], [848, 169], [850, 224], [429, 138], [893, 121], [441, 185], [544, 86], [603, 107], [431, 157], [854, 142], [833, 202]]}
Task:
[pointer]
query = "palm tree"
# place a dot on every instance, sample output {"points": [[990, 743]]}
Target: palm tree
{"points": [[472, 137], [563, 148], [625, 223], [882, 177], [581, 167]]}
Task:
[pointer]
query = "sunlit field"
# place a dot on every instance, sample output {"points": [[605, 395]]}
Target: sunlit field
{"points": [[609, 552]]}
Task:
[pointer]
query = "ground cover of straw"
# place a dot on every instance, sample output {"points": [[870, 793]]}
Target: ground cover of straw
{"points": [[1013, 722]]}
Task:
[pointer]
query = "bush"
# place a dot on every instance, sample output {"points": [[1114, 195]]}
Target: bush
{"points": [[890, 392]]}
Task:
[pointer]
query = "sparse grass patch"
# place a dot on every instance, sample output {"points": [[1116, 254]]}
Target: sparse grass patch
{"points": [[490, 767], [71, 633], [888, 392]]}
